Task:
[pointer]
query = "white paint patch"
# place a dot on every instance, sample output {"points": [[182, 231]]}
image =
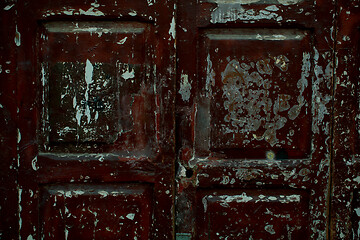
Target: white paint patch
{"points": [[319, 109], [122, 41], [230, 12], [18, 136], [357, 211], [289, 2], [226, 199], [78, 192], [270, 229], [210, 77], [133, 13], [91, 12], [66, 233], [8, 7], [30, 237], [88, 72], [272, 8], [130, 216], [88, 79], [128, 74], [225, 180], [301, 84], [172, 30], [103, 193], [17, 38], [204, 202], [34, 165], [185, 87], [43, 76], [357, 179], [19, 207]]}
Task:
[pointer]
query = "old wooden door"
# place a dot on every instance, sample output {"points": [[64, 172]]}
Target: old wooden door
{"points": [[94, 111], [89, 141], [254, 82]]}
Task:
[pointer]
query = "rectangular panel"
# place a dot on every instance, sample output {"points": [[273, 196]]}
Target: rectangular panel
{"points": [[96, 83], [96, 211], [252, 214], [255, 93]]}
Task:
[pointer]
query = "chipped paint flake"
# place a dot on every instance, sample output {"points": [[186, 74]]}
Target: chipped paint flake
{"points": [[270, 229], [17, 38], [133, 13], [172, 30], [357, 179], [210, 77], [18, 136], [226, 199], [130, 216], [289, 2], [88, 72], [8, 7], [19, 209], [122, 41], [185, 87], [91, 12], [150, 2], [34, 165], [229, 12], [128, 74], [103, 193], [30, 237]]}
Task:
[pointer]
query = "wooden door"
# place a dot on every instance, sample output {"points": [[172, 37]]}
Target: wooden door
{"points": [[254, 83], [345, 207], [94, 119]]}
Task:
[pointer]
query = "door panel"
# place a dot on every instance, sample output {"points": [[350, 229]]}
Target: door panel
{"points": [[254, 87], [245, 214], [87, 211], [345, 200], [116, 96], [96, 103]]}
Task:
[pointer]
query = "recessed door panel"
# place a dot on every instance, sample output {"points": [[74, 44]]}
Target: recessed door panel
{"points": [[96, 79], [252, 214], [257, 92], [95, 211]]}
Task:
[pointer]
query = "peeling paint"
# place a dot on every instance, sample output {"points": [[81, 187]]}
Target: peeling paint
{"points": [[270, 229], [128, 74], [34, 165], [122, 41], [210, 77], [8, 7], [172, 30], [30, 237], [130, 216], [185, 87], [17, 38], [237, 79], [91, 12], [229, 12]]}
